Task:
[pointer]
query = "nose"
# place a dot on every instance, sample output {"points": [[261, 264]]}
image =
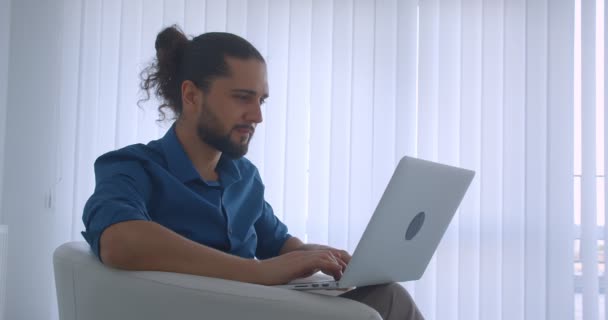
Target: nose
{"points": [[255, 114]]}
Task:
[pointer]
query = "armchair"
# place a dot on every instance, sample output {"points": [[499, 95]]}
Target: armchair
{"points": [[89, 290]]}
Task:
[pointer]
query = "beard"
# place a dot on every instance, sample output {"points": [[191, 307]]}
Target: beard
{"points": [[209, 131]]}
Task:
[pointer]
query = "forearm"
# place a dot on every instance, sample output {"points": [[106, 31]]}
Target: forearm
{"points": [[144, 245], [293, 243]]}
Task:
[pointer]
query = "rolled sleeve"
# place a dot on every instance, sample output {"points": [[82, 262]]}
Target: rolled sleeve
{"points": [[119, 196], [271, 232]]}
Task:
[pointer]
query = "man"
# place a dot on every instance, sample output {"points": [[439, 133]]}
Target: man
{"points": [[189, 202]]}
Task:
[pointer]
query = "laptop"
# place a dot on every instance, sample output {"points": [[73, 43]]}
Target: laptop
{"points": [[403, 233]]}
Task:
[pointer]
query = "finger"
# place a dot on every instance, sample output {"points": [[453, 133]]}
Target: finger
{"points": [[338, 266], [329, 264], [342, 256], [332, 271], [321, 259], [345, 256], [342, 263]]}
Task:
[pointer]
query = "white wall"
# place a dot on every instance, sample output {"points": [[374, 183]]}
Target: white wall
{"points": [[29, 156], [5, 21]]}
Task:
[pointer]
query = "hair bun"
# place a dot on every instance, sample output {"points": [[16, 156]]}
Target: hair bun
{"points": [[170, 44]]}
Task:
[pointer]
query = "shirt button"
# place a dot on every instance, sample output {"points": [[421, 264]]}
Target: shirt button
{"points": [[229, 231]]}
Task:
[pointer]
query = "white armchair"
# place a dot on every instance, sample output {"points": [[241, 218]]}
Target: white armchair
{"points": [[88, 290]]}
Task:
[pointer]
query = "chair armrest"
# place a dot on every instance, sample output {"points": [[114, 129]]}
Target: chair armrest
{"points": [[100, 292]]}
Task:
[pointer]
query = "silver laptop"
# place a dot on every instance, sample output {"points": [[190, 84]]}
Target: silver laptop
{"points": [[404, 231]]}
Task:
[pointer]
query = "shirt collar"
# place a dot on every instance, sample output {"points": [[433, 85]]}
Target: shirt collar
{"points": [[228, 171], [182, 168]]}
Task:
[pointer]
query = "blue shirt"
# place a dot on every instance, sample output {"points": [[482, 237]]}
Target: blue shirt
{"points": [[158, 182]]}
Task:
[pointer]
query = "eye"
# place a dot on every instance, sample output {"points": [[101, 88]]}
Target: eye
{"points": [[242, 98]]}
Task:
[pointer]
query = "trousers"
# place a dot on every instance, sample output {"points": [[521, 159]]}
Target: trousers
{"points": [[391, 301]]}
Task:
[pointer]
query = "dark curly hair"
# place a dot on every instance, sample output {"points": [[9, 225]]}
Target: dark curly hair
{"points": [[199, 60]]}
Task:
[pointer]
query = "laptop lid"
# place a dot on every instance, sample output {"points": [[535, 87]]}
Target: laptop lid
{"points": [[411, 217]]}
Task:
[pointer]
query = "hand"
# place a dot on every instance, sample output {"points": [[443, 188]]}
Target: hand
{"points": [[341, 254], [299, 264]]}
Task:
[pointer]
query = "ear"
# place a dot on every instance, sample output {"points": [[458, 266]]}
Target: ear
{"points": [[191, 97]]}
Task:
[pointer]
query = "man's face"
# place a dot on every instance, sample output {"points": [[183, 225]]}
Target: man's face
{"points": [[231, 108]]}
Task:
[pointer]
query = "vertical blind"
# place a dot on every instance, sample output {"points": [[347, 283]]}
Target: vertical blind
{"points": [[588, 250], [487, 85], [5, 20], [589, 160]]}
